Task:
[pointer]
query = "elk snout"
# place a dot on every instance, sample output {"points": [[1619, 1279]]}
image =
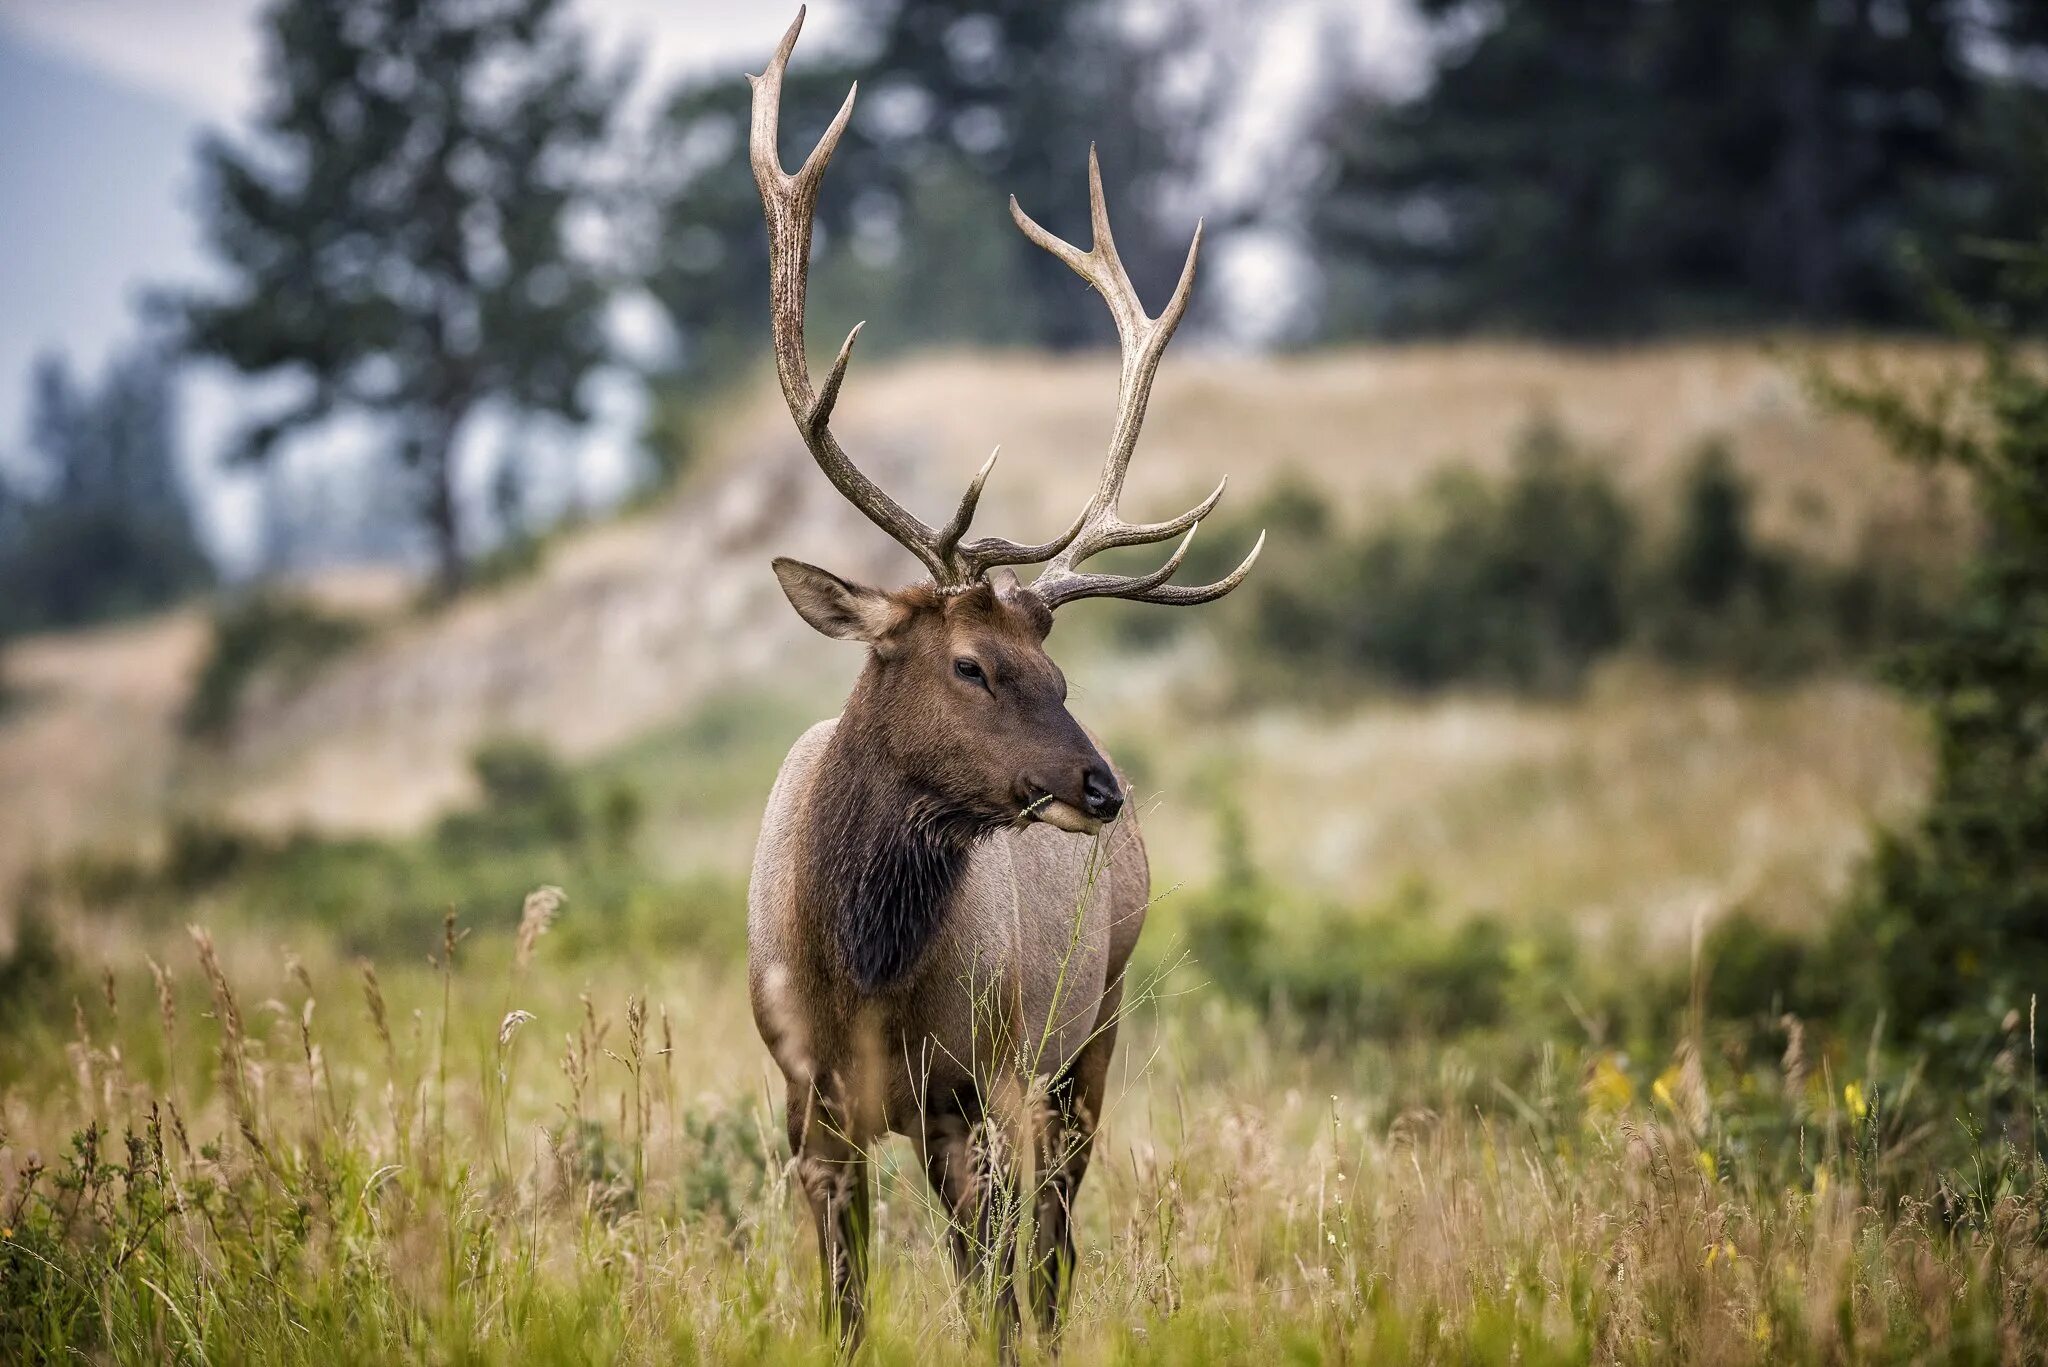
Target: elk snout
{"points": [[1097, 797], [1102, 797]]}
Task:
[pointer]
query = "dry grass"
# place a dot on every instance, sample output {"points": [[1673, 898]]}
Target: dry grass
{"points": [[1373, 424], [631, 624], [259, 1173], [1641, 804], [89, 752]]}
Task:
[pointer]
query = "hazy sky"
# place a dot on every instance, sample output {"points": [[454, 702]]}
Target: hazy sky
{"points": [[102, 101], [204, 54]]}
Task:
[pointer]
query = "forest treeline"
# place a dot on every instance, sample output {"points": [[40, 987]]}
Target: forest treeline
{"points": [[436, 212]]}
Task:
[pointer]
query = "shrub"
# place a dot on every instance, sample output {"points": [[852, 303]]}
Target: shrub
{"points": [[1949, 930], [1521, 585], [35, 972], [1393, 970], [1528, 582], [529, 798], [262, 637]]}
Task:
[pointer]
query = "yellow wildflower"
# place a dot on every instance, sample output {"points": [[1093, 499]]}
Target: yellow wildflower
{"points": [[1608, 1088], [1852, 1097], [1662, 1087]]}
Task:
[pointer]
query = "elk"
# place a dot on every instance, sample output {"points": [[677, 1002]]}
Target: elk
{"points": [[944, 899]]}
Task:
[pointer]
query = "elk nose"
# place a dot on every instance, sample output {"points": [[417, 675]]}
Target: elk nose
{"points": [[1101, 796]]}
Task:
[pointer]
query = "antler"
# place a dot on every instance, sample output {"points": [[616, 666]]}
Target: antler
{"points": [[790, 203], [1143, 340]]}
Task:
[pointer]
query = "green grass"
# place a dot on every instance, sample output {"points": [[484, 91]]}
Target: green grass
{"points": [[284, 1156]]}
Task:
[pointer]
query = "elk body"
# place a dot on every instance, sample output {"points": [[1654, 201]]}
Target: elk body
{"points": [[947, 889]]}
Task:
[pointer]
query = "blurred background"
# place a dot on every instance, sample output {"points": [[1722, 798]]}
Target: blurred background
{"points": [[1637, 396]]}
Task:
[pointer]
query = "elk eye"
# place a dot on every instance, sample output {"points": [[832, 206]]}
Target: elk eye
{"points": [[970, 671]]}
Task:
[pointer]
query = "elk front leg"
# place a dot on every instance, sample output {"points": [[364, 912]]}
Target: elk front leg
{"points": [[832, 1169], [968, 1161], [1065, 1136]]}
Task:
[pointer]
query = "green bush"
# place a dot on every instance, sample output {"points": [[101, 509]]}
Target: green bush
{"points": [[529, 798], [1394, 970], [1521, 585], [536, 822], [1527, 582], [35, 972], [1948, 933], [263, 636]]}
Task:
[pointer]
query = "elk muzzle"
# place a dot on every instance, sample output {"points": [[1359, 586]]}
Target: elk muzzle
{"points": [[1098, 799]]}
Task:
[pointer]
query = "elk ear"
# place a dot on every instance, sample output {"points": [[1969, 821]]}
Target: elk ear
{"points": [[835, 606]]}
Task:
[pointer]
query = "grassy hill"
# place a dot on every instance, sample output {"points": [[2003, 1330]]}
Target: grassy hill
{"points": [[630, 642], [1420, 1066]]}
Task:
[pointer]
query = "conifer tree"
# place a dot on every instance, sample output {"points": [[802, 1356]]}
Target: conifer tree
{"points": [[398, 229], [1954, 914], [104, 525]]}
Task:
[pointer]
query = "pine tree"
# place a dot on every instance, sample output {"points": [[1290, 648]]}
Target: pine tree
{"points": [[105, 528], [1954, 915], [1597, 170], [398, 229], [957, 111]]}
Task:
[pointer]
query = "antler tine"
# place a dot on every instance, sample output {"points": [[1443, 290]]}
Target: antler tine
{"points": [[977, 557], [1148, 588], [1143, 340], [790, 203], [950, 534]]}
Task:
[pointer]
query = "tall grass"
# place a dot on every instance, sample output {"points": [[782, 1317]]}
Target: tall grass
{"points": [[223, 1153]]}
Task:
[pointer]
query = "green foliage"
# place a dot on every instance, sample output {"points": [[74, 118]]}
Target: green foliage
{"points": [[107, 530], [1950, 929], [398, 233], [1389, 972], [1754, 972], [1618, 169], [1400, 969], [1520, 586], [1717, 596], [34, 969], [263, 637], [1528, 582], [536, 822], [957, 110]]}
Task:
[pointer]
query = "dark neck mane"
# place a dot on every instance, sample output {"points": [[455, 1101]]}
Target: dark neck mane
{"points": [[882, 860]]}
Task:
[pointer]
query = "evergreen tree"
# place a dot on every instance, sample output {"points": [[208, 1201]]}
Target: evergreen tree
{"points": [[1593, 170], [1953, 920], [1713, 554], [105, 526], [398, 232], [957, 111]]}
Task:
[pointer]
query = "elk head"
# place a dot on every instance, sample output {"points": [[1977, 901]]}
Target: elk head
{"points": [[978, 709]]}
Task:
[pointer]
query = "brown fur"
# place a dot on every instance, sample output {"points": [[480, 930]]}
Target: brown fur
{"points": [[925, 954], [989, 1022]]}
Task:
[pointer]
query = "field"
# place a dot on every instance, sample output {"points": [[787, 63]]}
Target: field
{"points": [[261, 1157], [1491, 1087]]}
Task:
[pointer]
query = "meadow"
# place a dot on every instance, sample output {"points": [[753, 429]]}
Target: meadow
{"points": [[246, 1154], [1486, 1021]]}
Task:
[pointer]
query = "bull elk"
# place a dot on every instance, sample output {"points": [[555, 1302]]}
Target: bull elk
{"points": [[936, 946]]}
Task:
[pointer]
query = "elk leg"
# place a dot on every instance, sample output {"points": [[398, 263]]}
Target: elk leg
{"points": [[967, 1160], [832, 1169], [1065, 1139]]}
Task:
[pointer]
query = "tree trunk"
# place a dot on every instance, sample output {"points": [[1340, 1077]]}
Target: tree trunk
{"points": [[1803, 199], [443, 517]]}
